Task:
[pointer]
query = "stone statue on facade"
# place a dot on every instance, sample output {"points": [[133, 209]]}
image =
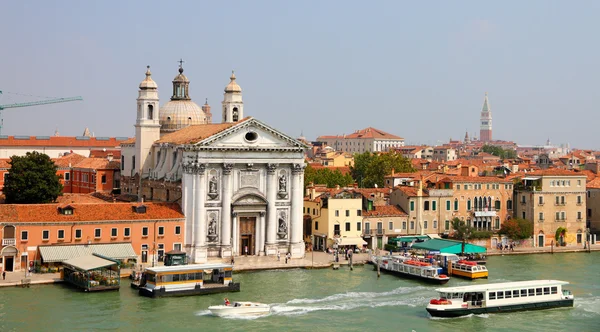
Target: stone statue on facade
{"points": [[282, 227], [282, 192], [212, 188], [212, 229]]}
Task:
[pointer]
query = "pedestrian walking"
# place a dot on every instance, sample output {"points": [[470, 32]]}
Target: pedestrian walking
{"points": [[278, 256], [3, 275], [286, 258], [232, 260]]}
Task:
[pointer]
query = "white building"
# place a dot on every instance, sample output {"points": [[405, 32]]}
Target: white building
{"points": [[241, 181], [364, 140]]}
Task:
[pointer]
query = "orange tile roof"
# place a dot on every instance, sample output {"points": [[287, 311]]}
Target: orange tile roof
{"points": [[594, 184], [68, 198], [484, 179], [411, 191], [105, 153], [4, 163], [385, 211], [195, 133], [62, 141], [556, 172], [98, 163], [368, 132], [87, 212], [68, 160]]}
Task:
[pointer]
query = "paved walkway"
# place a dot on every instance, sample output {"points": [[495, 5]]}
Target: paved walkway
{"points": [[544, 250], [14, 278]]}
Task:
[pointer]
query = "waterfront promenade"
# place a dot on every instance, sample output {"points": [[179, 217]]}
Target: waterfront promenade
{"points": [[312, 260]]}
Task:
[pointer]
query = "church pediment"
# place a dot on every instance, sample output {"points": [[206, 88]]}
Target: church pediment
{"points": [[248, 197], [251, 135]]}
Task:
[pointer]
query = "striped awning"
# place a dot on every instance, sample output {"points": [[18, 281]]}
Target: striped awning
{"points": [[51, 254]]}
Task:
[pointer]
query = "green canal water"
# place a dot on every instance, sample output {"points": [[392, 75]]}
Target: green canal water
{"points": [[304, 300]]}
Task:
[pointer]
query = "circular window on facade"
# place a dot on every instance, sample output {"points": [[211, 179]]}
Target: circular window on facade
{"points": [[251, 136]]}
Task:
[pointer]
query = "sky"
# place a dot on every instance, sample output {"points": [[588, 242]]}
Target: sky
{"points": [[416, 69]]}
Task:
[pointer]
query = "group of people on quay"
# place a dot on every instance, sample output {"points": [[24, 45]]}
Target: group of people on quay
{"points": [[508, 246]]}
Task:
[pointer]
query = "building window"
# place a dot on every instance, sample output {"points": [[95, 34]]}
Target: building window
{"points": [[347, 213], [347, 227], [103, 178], [177, 230], [412, 205], [67, 176], [469, 204], [435, 224], [359, 213], [456, 205], [447, 225], [336, 229], [113, 232], [426, 205], [45, 235], [122, 163], [337, 213], [358, 225], [497, 225], [541, 216], [316, 225], [578, 215], [161, 230], [144, 231], [509, 204], [458, 187], [433, 205], [412, 225], [78, 233], [497, 205], [24, 235], [447, 205], [367, 227], [425, 224], [61, 234], [578, 200], [126, 232], [391, 226], [97, 233]]}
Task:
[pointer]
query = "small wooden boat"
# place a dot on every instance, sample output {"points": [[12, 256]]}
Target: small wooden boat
{"points": [[240, 309]]}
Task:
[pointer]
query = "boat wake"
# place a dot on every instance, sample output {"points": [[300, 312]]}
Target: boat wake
{"points": [[588, 304], [203, 313], [348, 301]]}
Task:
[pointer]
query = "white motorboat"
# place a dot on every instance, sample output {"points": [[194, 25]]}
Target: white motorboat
{"points": [[240, 309]]}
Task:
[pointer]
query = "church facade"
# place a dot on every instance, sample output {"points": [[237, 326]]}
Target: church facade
{"points": [[239, 182]]}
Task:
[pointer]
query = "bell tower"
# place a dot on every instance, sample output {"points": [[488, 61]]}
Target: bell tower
{"points": [[233, 106], [485, 129], [147, 126]]}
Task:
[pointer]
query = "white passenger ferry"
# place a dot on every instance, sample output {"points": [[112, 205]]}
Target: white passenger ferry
{"points": [[413, 268], [500, 297]]}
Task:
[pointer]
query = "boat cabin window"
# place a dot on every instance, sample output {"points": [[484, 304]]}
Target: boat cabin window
{"points": [[492, 295], [546, 290], [554, 290], [515, 293], [507, 294], [531, 292], [151, 277], [538, 291], [500, 295], [523, 293]]}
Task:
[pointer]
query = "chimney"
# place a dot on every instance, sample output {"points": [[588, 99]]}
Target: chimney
{"points": [[393, 171]]}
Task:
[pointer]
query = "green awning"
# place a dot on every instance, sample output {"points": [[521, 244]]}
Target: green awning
{"points": [[448, 246]]}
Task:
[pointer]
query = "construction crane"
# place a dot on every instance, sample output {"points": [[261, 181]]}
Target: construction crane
{"points": [[34, 103]]}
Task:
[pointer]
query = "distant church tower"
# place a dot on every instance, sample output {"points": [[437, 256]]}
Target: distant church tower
{"points": [[147, 126], [485, 130], [233, 106]]}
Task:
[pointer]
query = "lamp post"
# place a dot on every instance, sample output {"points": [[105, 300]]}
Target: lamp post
{"points": [[312, 251], [153, 253]]}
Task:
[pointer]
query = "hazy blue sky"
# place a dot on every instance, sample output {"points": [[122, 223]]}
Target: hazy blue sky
{"points": [[416, 69]]}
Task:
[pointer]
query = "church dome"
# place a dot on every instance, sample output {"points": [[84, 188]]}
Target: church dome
{"points": [[232, 86], [180, 111], [148, 82]]}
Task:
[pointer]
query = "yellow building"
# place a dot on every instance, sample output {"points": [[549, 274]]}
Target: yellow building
{"points": [[336, 217], [593, 206], [553, 199], [383, 222], [335, 159]]}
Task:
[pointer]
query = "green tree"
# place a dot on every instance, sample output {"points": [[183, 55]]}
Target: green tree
{"points": [[32, 179], [500, 152], [517, 229], [326, 176], [370, 169]]}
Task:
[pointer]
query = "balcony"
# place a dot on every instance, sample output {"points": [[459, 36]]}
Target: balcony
{"points": [[541, 204], [9, 242], [379, 231], [579, 203]]}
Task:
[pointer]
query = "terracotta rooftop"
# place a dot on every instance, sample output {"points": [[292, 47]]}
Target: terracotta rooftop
{"points": [[98, 163], [87, 212], [594, 184], [68, 160], [385, 211], [61, 141], [195, 133], [369, 132], [411, 191], [556, 172], [484, 179], [115, 153], [78, 198]]}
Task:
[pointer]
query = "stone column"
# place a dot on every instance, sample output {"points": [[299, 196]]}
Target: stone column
{"points": [[226, 211], [271, 246], [235, 234], [261, 232], [188, 206], [296, 224], [199, 214]]}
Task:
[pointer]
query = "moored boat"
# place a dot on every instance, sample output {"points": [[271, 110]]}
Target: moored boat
{"points": [[468, 269], [500, 297], [240, 309], [413, 268], [194, 279]]}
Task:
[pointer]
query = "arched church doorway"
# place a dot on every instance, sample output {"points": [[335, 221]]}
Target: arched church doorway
{"points": [[247, 235]]}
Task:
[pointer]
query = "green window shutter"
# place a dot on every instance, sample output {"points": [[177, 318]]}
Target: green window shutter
{"points": [[412, 206], [447, 205], [433, 205]]}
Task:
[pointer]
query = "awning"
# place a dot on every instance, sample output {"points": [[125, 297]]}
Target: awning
{"points": [[351, 241], [88, 262], [51, 254], [533, 178]]}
